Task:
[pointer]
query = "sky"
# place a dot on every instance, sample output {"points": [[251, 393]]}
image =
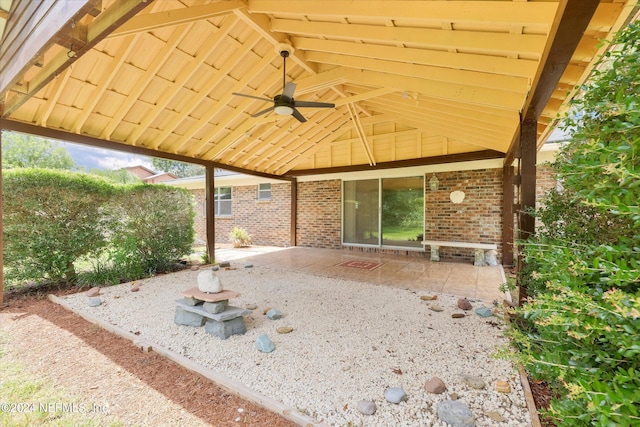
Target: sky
{"points": [[89, 157]]}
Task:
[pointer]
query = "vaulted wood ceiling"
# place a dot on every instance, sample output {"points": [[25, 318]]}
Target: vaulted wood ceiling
{"points": [[410, 79]]}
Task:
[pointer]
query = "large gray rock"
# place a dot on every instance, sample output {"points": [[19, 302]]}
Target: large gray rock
{"points": [[456, 413], [227, 328], [264, 344], [215, 307], [395, 395], [187, 318], [208, 282]]}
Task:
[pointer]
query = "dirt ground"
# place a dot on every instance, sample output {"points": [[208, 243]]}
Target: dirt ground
{"points": [[95, 366]]}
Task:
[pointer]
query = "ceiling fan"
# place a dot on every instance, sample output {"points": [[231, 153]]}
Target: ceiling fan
{"points": [[284, 104]]}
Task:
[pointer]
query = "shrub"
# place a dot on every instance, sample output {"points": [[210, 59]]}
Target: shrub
{"points": [[580, 330], [51, 218], [240, 237]]}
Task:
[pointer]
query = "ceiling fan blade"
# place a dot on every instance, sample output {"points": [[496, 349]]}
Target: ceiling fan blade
{"points": [[313, 104], [289, 88], [252, 97], [298, 116], [259, 113]]}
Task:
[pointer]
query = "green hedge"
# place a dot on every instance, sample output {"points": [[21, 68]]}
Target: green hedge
{"points": [[53, 219]]}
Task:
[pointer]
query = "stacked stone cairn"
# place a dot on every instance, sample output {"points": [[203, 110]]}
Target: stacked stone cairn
{"points": [[208, 305]]}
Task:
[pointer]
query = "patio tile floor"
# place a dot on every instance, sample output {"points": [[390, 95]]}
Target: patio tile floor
{"points": [[419, 274]]}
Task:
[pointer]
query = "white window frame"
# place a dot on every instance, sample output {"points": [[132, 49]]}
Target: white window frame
{"points": [[218, 202], [264, 194]]}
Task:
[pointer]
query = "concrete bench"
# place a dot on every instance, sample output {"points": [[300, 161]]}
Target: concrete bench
{"points": [[478, 247]]}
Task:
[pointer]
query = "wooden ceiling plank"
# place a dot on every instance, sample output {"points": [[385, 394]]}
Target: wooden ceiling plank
{"points": [[223, 102], [209, 45], [274, 142], [363, 96], [110, 72], [150, 73], [464, 61], [306, 137], [261, 24], [118, 13], [465, 77], [496, 43], [59, 84], [256, 141], [522, 13], [362, 137], [169, 18], [442, 90]]}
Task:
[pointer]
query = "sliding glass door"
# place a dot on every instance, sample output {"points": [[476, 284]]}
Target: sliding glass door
{"points": [[384, 212]]}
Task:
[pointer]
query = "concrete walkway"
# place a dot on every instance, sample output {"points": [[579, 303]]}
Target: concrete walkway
{"points": [[420, 274]]}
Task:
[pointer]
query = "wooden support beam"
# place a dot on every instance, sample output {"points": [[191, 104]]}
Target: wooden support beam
{"points": [[507, 215], [209, 209], [527, 223], [294, 211], [1, 232]]}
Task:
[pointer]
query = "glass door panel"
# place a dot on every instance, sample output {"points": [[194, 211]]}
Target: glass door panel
{"points": [[361, 223], [403, 211]]}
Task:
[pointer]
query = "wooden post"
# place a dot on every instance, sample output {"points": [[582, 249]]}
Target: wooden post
{"points": [[1, 232], [210, 222], [507, 215], [528, 153], [294, 211]]}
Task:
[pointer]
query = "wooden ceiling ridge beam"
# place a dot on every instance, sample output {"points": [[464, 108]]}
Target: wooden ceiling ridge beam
{"points": [[183, 77], [499, 65], [510, 13], [262, 25], [221, 104], [498, 43], [118, 13], [203, 92], [154, 66], [168, 18], [426, 72], [362, 136], [238, 114]]}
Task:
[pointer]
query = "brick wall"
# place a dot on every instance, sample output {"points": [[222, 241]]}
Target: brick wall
{"points": [[319, 214], [477, 219], [267, 221]]}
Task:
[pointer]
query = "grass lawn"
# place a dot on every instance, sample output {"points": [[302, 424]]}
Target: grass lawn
{"points": [[401, 233]]}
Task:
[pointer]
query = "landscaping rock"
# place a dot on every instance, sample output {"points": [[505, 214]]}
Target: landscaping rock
{"points": [[208, 282], [503, 386], [435, 307], [395, 395], [225, 264], [251, 306], [456, 413], [367, 407], [215, 307], [464, 304], [94, 301], [284, 330], [227, 328], [248, 265], [135, 288], [93, 292], [429, 297], [435, 385], [264, 344], [191, 301], [274, 314], [187, 318], [495, 416], [484, 312], [195, 267], [473, 381], [458, 315]]}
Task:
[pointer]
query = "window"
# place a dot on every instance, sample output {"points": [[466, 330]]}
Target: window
{"points": [[222, 201], [264, 191]]}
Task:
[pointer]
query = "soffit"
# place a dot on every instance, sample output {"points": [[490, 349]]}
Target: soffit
{"points": [[410, 79]]}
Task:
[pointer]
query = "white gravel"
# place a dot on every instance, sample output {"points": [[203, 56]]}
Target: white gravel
{"points": [[351, 341]]}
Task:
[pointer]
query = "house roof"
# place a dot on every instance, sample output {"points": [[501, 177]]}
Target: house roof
{"points": [[412, 81]]}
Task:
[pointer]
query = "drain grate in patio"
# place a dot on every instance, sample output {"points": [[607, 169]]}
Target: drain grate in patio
{"points": [[364, 265]]}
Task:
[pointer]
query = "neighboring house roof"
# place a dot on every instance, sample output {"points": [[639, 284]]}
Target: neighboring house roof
{"points": [[140, 171]]}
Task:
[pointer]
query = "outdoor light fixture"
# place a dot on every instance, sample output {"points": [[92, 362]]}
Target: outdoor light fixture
{"points": [[283, 110], [434, 183]]}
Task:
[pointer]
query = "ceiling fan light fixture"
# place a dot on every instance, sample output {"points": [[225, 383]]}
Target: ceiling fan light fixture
{"points": [[283, 110]]}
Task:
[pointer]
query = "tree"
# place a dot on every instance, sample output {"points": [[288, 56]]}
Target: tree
{"points": [[580, 329], [179, 169], [28, 151]]}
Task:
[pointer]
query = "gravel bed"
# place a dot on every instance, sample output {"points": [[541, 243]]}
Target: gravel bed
{"points": [[350, 342]]}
